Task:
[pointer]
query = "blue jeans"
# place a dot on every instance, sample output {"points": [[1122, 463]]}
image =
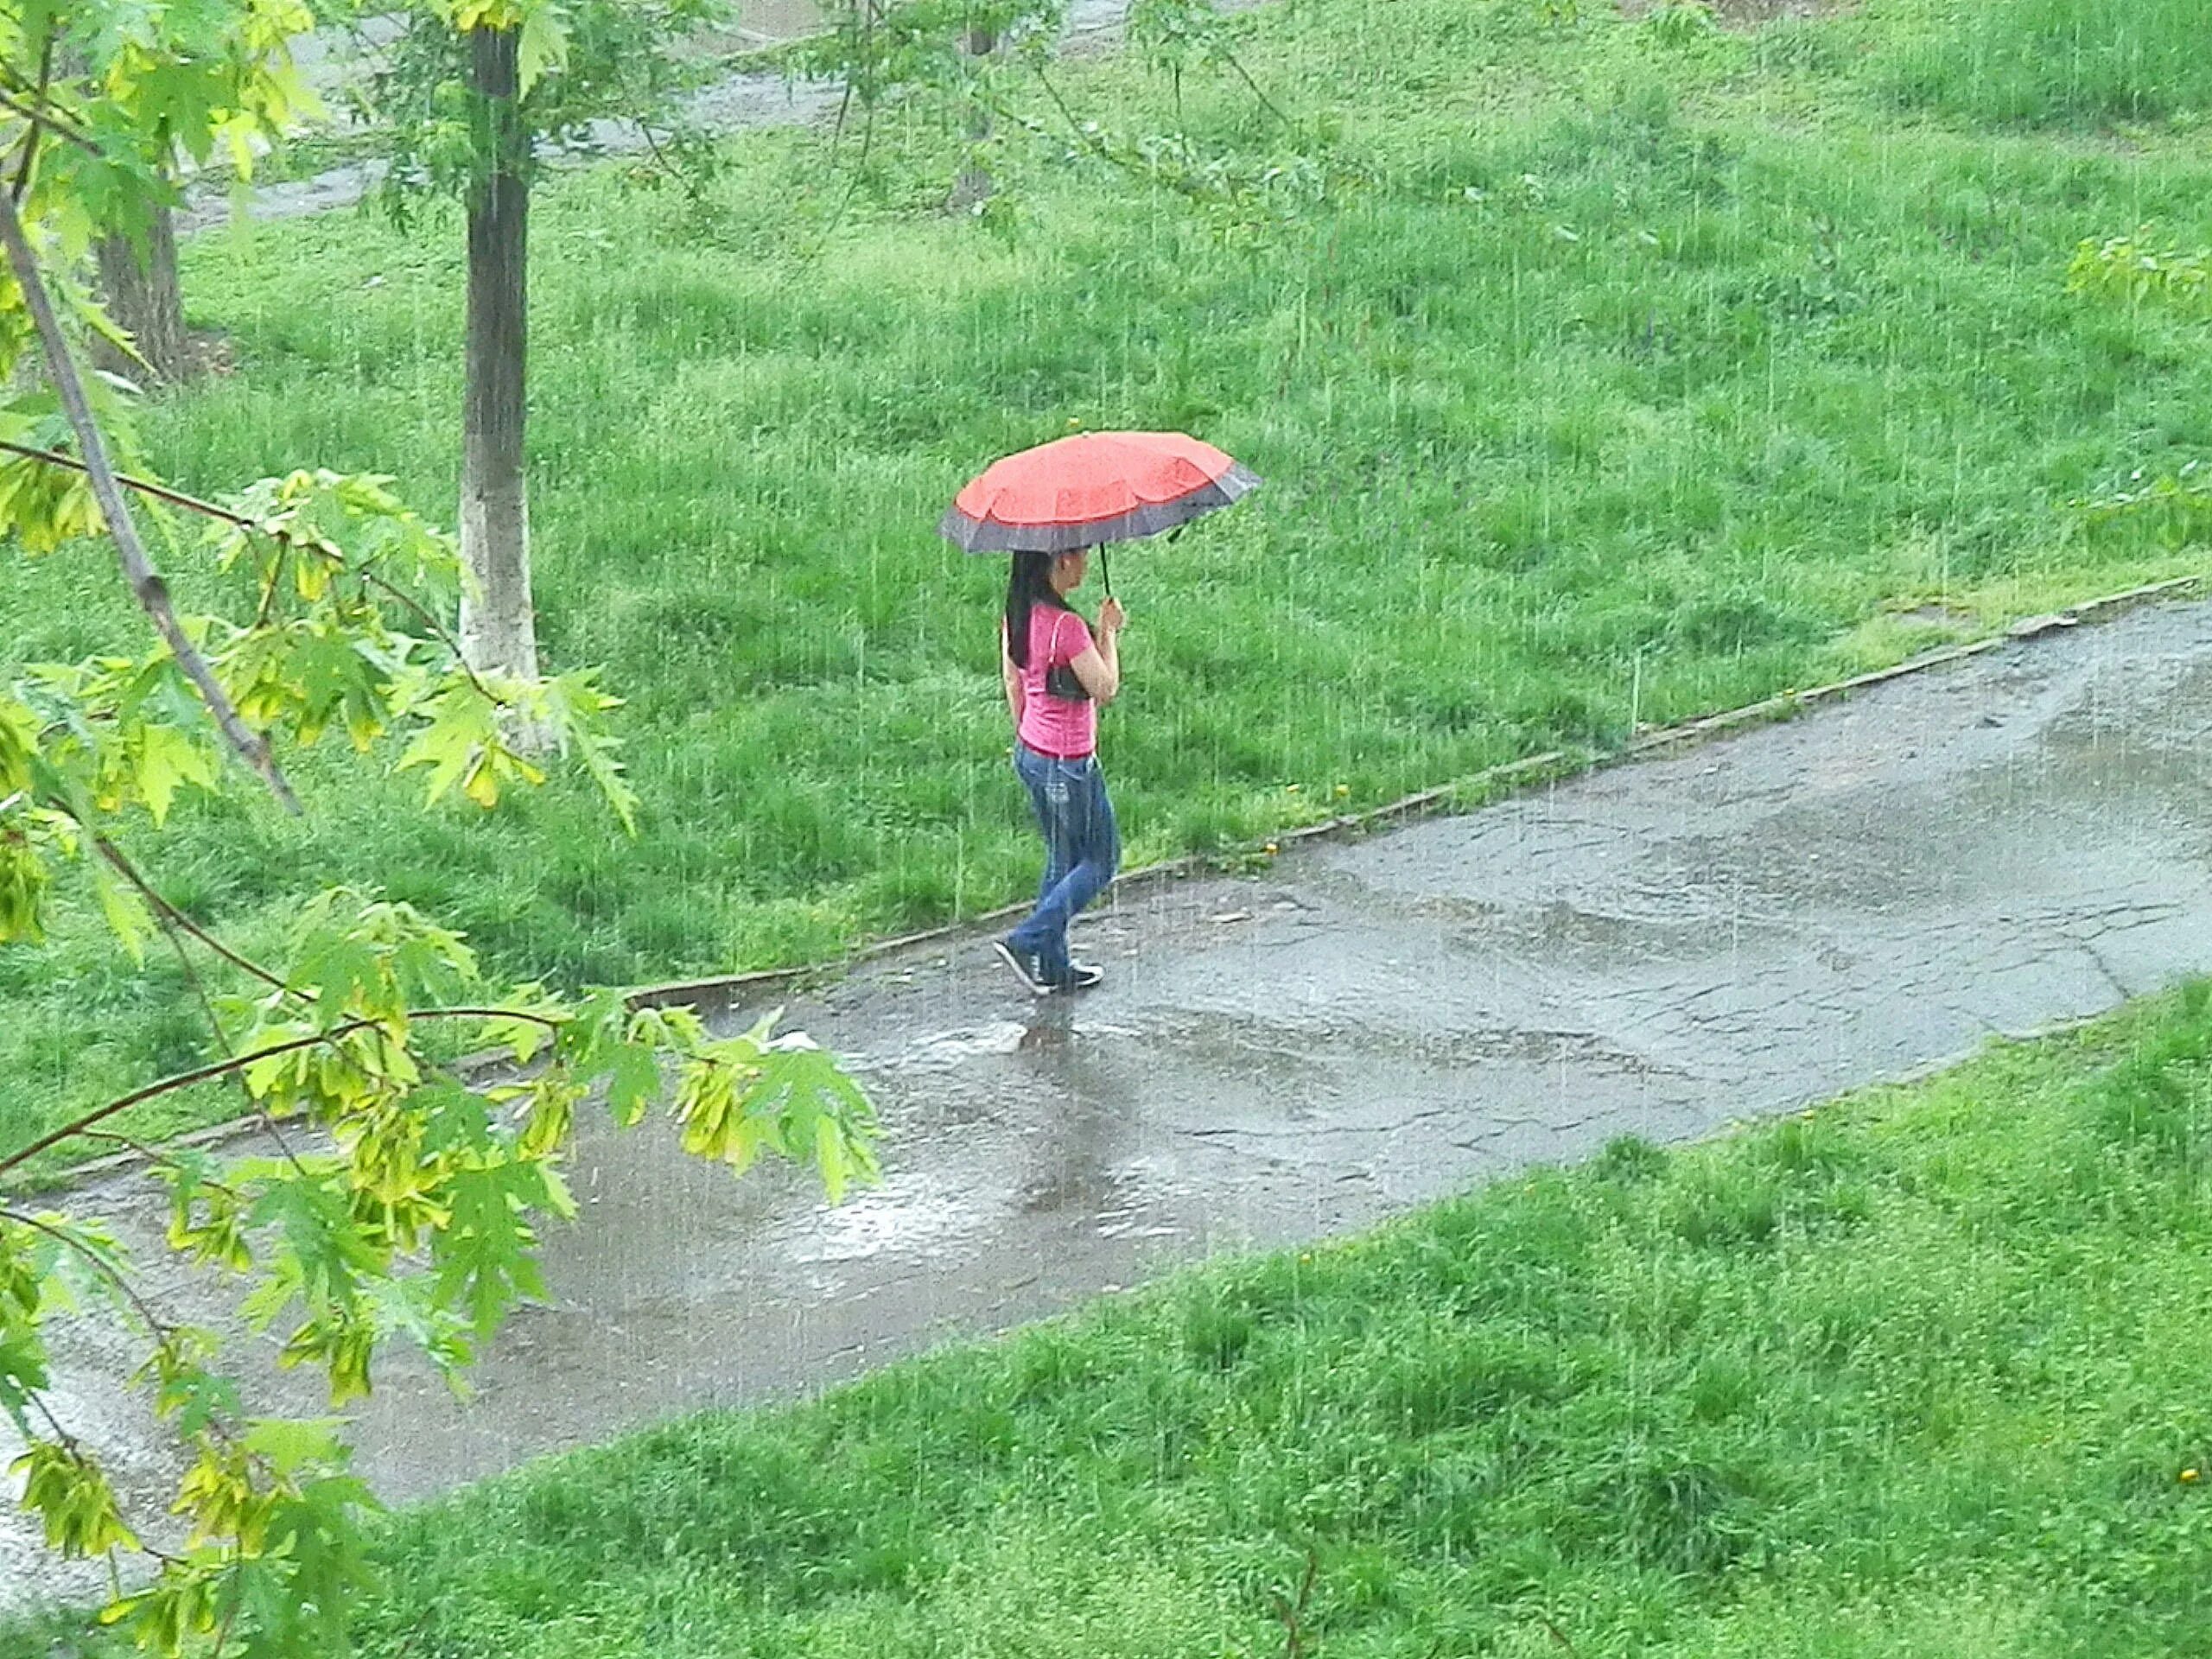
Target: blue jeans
{"points": [[1083, 848]]}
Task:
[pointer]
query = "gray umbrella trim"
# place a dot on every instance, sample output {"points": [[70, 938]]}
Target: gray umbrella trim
{"points": [[988, 536]]}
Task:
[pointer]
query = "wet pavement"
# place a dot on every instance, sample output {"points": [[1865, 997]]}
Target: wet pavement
{"points": [[1657, 949]]}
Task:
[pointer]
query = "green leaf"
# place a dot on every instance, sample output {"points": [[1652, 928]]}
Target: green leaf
{"points": [[24, 1373], [18, 743], [464, 725], [294, 1444], [168, 759], [830, 1157], [635, 1082], [544, 47], [128, 916], [23, 879], [322, 1253], [485, 1256]]}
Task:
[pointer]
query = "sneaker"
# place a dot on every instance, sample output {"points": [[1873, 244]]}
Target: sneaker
{"points": [[1080, 977], [1025, 966]]}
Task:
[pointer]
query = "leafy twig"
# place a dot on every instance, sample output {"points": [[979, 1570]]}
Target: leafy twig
{"points": [[1292, 1613], [160, 1329], [145, 486], [176, 498], [31, 130], [207, 1073], [146, 584], [38, 117], [174, 922], [170, 914]]}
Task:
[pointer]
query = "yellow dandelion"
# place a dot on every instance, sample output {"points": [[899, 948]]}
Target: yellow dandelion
{"points": [[2189, 1477]]}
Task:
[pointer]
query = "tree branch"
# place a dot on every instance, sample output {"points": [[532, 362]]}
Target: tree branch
{"points": [[207, 1073], [1245, 75], [177, 497], [31, 130], [145, 486], [1090, 141], [168, 911], [146, 583], [62, 1436], [154, 1155], [160, 1329], [169, 1085], [38, 117], [176, 927]]}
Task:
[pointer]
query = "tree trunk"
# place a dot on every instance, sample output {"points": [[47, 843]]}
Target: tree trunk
{"points": [[498, 626], [974, 187], [138, 286]]}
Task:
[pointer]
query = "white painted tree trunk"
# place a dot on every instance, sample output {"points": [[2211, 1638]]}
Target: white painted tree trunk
{"points": [[498, 628]]}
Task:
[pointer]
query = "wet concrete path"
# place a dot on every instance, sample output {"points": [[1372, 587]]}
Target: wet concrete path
{"points": [[1656, 950]]}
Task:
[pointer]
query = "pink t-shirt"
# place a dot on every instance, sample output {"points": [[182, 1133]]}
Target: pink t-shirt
{"points": [[1052, 725]]}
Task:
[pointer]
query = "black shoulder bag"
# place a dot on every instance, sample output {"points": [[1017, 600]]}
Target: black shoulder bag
{"points": [[1062, 682]]}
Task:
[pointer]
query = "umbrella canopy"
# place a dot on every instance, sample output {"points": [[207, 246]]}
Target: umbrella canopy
{"points": [[1092, 488]]}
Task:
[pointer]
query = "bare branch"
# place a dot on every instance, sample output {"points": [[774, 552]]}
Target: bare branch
{"points": [[1245, 75], [62, 1436], [146, 583]]}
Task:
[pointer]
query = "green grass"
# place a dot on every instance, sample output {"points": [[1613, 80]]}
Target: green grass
{"points": [[1627, 372], [2054, 60], [1917, 1373]]}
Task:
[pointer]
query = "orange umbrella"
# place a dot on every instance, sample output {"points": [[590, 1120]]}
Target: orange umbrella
{"points": [[1093, 488]]}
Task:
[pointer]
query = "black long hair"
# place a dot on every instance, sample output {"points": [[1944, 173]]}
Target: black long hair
{"points": [[1028, 584]]}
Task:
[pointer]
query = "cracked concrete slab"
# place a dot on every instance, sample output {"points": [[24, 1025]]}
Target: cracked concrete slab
{"points": [[1657, 949]]}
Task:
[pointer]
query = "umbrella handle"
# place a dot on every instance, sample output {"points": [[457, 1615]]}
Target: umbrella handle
{"points": [[1105, 570]]}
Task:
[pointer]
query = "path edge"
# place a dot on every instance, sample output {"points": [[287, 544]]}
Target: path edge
{"points": [[1478, 790], [721, 993]]}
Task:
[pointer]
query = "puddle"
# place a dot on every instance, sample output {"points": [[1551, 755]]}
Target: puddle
{"points": [[1658, 949]]}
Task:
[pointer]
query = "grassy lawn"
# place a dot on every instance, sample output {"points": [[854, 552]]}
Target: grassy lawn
{"points": [[1919, 1373], [1628, 370]]}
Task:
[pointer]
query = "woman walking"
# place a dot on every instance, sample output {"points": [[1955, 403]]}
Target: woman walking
{"points": [[1057, 673]]}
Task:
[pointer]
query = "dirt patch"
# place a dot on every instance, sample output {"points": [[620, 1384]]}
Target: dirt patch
{"points": [[1941, 616], [1753, 14]]}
